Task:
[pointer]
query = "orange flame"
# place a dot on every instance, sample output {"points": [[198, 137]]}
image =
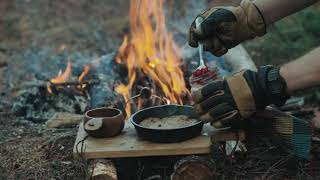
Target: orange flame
{"points": [[85, 72], [66, 75], [63, 77], [150, 49]]}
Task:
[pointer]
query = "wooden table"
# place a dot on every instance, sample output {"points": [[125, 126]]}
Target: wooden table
{"points": [[128, 144]]}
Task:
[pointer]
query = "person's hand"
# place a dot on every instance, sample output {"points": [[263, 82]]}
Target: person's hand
{"points": [[225, 102], [225, 27]]}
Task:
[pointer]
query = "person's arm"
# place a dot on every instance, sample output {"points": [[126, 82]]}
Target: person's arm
{"points": [[224, 27], [302, 73], [226, 101], [274, 10]]}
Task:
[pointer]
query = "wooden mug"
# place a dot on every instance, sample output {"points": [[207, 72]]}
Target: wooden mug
{"points": [[103, 122]]}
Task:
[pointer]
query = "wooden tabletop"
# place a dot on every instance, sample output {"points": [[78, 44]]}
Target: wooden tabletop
{"points": [[127, 144]]}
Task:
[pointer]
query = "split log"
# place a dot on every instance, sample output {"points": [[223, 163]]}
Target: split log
{"points": [[102, 169], [63, 119], [194, 168]]}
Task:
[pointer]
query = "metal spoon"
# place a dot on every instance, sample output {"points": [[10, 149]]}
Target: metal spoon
{"points": [[199, 20]]}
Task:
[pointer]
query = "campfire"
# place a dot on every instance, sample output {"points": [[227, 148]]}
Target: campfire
{"points": [[65, 81], [69, 67], [151, 56]]}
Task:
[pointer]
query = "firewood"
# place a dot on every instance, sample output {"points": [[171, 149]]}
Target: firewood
{"points": [[41, 83], [75, 83], [101, 169], [194, 168], [63, 119]]}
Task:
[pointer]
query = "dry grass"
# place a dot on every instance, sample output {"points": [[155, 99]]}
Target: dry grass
{"points": [[30, 152]]}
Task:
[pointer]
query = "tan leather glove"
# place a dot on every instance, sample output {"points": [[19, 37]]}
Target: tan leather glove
{"points": [[226, 27], [225, 102]]}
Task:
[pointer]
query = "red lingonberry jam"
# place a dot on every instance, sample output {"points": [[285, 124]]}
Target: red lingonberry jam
{"points": [[202, 76], [200, 72]]}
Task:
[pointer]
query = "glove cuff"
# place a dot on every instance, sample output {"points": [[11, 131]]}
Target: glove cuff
{"points": [[273, 85], [255, 18]]}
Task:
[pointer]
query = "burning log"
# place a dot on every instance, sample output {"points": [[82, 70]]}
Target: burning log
{"points": [[68, 83], [76, 87], [56, 85], [102, 169], [75, 83], [62, 81]]}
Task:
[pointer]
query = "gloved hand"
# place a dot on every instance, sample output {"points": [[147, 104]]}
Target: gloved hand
{"points": [[226, 101], [226, 27]]}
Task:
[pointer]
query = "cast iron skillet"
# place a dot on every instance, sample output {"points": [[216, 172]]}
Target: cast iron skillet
{"points": [[165, 135]]}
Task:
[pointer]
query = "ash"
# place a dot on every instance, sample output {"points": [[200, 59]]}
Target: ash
{"points": [[34, 103]]}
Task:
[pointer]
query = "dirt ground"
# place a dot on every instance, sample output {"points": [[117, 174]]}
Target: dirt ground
{"points": [[29, 150]]}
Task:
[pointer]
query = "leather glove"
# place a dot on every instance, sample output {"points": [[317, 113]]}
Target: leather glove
{"points": [[226, 101], [225, 27]]}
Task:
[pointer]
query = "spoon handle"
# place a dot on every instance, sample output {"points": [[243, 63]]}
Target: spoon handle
{"points": [[199, 20]]}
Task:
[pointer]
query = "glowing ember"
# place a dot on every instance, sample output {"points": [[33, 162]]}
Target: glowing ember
{"points": [[149, 48]]}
